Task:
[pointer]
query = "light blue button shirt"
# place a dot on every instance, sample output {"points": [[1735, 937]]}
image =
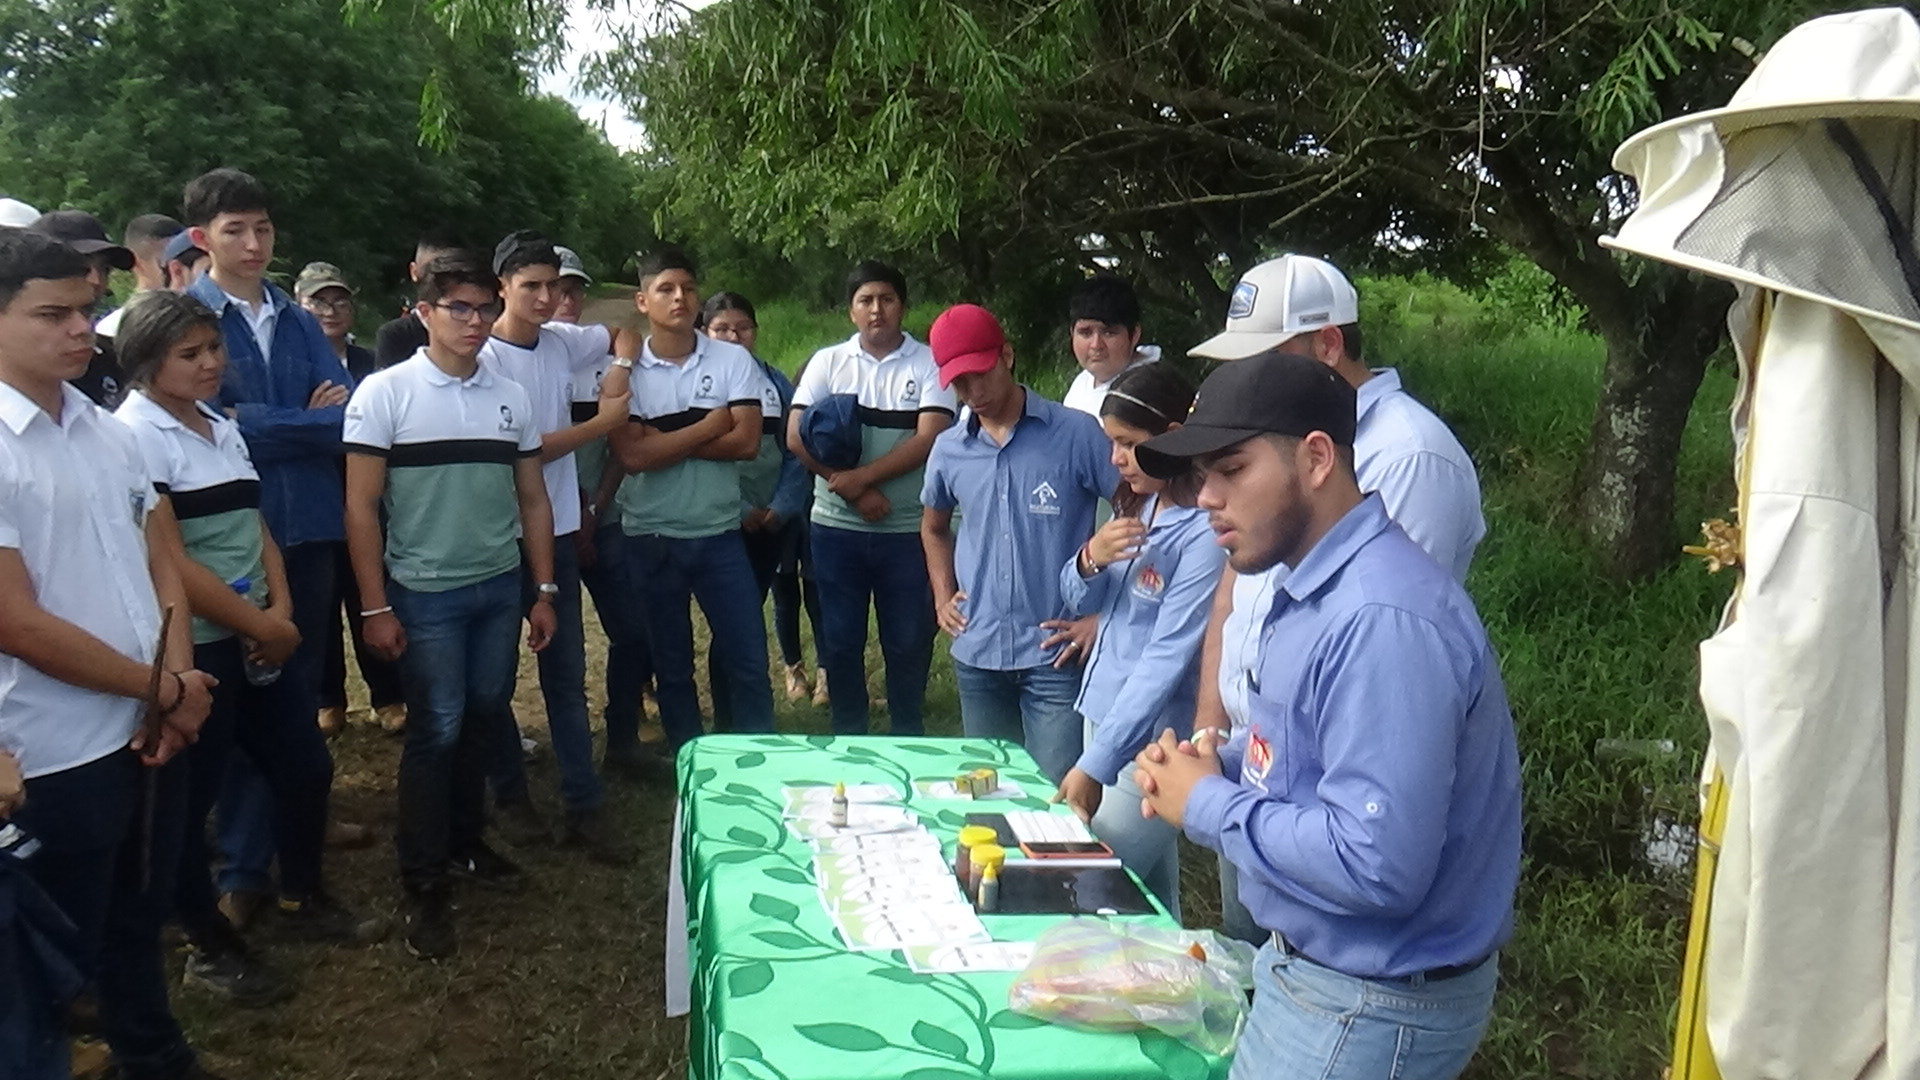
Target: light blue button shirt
{"points": [[1025, 508], [1145, 667], [1372, 802], [1409, 456]]}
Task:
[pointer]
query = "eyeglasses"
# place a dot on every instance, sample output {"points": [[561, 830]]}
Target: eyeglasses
{"points": [[318, 306], [463, 312]]}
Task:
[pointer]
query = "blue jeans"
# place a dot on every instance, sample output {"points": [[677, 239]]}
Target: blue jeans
{"points": [[285, 753], [629, 661], [462, 646], [94, 865], [668, 575], [1309, 1020], [890, 569], [1030, 706], [563, 688], [763, 556], [1147, 846], [247, 812]]}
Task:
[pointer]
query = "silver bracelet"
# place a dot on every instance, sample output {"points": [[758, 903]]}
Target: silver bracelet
{"points": [[377, 611]]}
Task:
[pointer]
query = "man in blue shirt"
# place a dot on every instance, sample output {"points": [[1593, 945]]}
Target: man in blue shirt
{"points": [[287, 388], [1027, 474], [1372, 803]]}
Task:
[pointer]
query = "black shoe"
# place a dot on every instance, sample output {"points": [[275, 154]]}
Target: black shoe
{"points": [[593, 832], [486, 867], [521, 824], [428, 921], [236, 975], [320, 918]]}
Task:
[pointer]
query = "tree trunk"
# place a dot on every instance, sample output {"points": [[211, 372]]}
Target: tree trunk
{"points": [[1625, 497]]}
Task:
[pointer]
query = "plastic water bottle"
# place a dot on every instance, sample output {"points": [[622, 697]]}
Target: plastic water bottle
{"points": [[258, 674]]}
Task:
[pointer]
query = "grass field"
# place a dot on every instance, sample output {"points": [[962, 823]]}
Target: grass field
{"points": [[564, 980]]}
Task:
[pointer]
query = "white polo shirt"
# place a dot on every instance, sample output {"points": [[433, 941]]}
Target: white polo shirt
{"points": [[453, 510], [215, 494], [893, 391], [693, 498], [546, 371], [74, 499], [1085, 395]]}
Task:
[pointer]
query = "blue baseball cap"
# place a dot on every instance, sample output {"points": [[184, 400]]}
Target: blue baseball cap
{"points": [[178, 247], [830, 430]]}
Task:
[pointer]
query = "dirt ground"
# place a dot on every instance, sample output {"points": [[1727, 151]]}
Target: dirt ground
{"points": [[563, 980]]}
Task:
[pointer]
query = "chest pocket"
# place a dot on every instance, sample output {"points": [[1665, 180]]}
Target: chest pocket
{"points": [[1149, 580], [1281, 716]]}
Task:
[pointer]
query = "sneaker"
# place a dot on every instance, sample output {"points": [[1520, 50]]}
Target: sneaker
{"points": [[428, 921], [320, 918], [392, 718], [593, 832], [820, 688], [332, 719], [797, 689], [521, 824], [529, 750], [237, 976], [348, 834], [242, 908], [486, 867]]}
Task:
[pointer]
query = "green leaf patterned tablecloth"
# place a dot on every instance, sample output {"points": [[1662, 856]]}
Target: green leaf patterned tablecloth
{"points": [[775, 994]]}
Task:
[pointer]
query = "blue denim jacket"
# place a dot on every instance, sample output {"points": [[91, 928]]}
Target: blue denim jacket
{"points": [[295, 449]]}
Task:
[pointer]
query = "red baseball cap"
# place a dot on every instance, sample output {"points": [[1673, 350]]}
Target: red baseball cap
{"points": [[966, 340]]}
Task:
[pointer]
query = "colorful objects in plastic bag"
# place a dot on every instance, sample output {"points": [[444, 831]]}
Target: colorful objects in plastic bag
{"points": [[1099, 975]]}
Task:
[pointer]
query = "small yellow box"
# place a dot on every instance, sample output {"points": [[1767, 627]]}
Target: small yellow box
{"points": [[978, 784]]}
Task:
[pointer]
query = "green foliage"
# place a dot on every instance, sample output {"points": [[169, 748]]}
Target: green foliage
{"points": [[113, 107], [1588, 984]]}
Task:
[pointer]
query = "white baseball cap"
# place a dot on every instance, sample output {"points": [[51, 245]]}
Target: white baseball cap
{"points": [[15, 214], [570, 265], [1278, 301]]}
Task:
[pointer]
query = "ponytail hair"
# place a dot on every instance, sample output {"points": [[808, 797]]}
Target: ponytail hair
{"points": [[1153, 398]]}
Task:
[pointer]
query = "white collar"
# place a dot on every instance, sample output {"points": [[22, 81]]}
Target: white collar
{"points": [[17, 410], [481, 377], [651, 359]]}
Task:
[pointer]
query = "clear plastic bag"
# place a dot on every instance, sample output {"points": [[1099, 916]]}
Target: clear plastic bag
{"points": [[1102, 975]]}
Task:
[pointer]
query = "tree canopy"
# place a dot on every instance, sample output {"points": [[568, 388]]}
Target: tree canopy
{"points": [[1185, 139], [113, 106]]}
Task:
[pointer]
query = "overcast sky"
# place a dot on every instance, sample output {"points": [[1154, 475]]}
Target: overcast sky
{"points": [[586, 32]]}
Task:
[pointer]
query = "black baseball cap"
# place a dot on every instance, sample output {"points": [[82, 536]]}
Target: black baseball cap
{"points": [[83, 233], [524, 239], [1271, 394]]}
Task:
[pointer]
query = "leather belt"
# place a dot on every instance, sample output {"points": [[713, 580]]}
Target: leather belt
{"points": [[1432, 975]]}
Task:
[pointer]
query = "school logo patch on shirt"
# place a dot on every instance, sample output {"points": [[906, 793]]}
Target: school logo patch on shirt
{"points": [[1044, 500], [1148, 584], [1259, 762]]}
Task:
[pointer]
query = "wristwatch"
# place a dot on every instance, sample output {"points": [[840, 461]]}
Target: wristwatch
{"points": [[623, 362], [547, 590]]}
